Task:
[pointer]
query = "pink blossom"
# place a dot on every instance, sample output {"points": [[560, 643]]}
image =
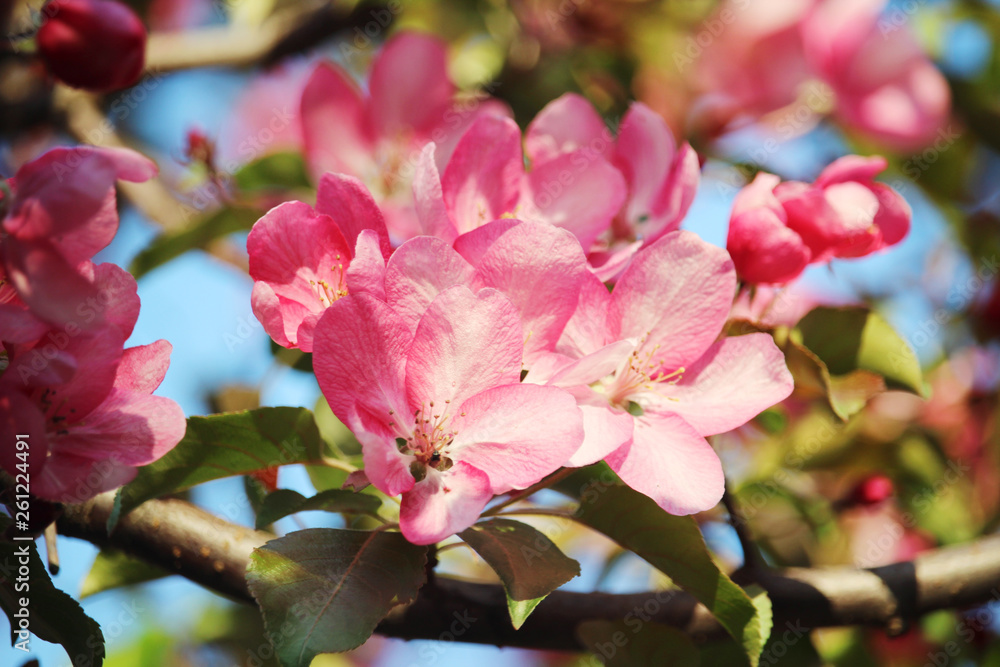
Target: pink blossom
{"points": [[61, 212], [821, 55], [776, 228], [377, 137], [661, 176], [265, 117], [300, 257], [886, 87], [86, 403], [486, 180], [439, 410], [653, 378]]}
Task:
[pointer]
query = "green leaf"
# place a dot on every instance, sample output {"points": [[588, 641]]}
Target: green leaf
{"points": [[114, 569], [674, 545], [53, 615], [281, 503], [224, 445], [638, 644], [324, 591], [202, 232], [529, 564], [278, 170], [850, 339]]}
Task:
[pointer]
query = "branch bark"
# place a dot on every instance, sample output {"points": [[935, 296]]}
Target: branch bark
{"points": [[186, 540]]}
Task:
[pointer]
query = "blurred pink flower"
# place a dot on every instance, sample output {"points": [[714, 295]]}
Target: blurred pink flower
{"points": [[84, 402], [377, 135], [439, 410], [886, 87], [486, 180], [61, 211], [874, 76]]}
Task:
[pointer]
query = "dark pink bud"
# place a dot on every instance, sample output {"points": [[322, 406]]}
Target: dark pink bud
{"points": [[97, 45], [871, 490]]}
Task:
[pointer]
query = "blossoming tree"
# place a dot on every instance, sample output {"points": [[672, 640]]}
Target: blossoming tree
{"points": [[533, 365]]}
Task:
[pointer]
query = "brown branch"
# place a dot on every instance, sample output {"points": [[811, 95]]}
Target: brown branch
{"points": [[186, 540], [293, 30]]}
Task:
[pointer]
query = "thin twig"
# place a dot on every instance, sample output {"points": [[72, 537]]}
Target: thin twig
{"points": [[752, 559]]}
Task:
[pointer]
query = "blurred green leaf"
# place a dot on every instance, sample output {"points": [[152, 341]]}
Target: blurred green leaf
{"points": [[54, 616], [674, 545], [211, 227], [114, 569], [529, 564], [225, 445], [851, 339], [323, 591], [634, 643], [278, 170], [281, 503]]}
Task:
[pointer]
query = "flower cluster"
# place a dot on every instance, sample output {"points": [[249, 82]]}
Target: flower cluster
{"points": [[68, 382], [485, 351]]}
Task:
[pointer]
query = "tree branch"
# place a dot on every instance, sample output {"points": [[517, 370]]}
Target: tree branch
{"points": [[295, 29], [186, 540]]}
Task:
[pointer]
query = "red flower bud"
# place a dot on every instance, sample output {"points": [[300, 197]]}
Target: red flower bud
{"points": [[97, 45], [871, 490]]}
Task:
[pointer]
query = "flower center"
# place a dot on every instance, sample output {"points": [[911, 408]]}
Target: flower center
{"points": [[328, 293], [642, 373], [429, 439]]}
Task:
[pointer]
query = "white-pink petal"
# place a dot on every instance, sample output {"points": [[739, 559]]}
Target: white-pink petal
{"points": [[671, 463]]}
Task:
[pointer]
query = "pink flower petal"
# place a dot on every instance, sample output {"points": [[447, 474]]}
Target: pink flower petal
{"points": [[360, 348], [465, 343], [576, 191], [675, 297], [142, 368], [587, 329], [483, 178], [19, 416], [566, 124], [518, 433], [644, 154], [429, 199], [676, 195], [68, 478], [418, 271], [130, 427], [735, 380], [605, 431], [444, 504], [348, 202], [335, 133], [764, 250], [67, 197], [540, 269], [409, 85], [474, 244], [50, 287], [671, 463], [366, 274]]}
